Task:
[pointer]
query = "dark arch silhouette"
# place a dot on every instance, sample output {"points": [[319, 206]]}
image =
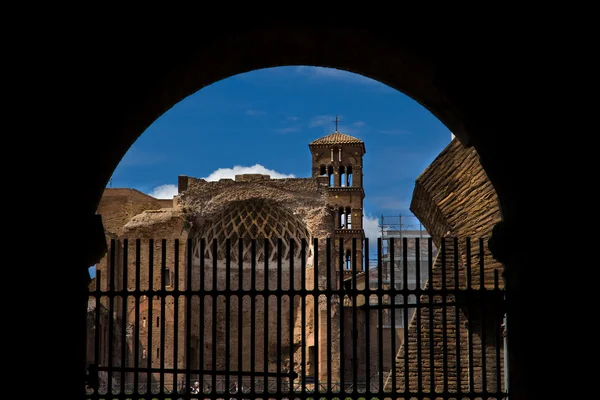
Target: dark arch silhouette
{"points": [[463, 76]]}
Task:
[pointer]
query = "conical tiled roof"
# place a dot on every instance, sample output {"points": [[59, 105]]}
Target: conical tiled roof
{"points": [[337, 138]]}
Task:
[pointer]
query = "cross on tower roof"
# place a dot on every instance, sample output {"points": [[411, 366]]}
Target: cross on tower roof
{"points": [[336, 122]]}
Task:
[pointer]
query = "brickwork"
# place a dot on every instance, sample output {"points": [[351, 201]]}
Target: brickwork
{"points": [[339, 158], [117, 206], [453, 198], [251, 206]]}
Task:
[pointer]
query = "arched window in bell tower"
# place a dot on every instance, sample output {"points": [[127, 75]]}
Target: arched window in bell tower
{"points": [[349, 176], [341, 218], [348, 218], [322, 170], [342, 171], [348, 259], [331, 175]]}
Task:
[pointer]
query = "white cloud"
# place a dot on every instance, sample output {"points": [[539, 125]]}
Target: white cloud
{"points": [[168, 191], [223, 173], [371, 228], [164, 192]]}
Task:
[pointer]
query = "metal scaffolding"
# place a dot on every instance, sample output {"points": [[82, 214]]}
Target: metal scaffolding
{"points": [[399, 226], [395, 229]]}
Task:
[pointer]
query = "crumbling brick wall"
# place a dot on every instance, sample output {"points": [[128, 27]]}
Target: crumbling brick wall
{"points": [[453, 198], [156, 230]]}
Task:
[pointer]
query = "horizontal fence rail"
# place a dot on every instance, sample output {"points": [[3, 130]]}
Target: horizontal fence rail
{"points": [[296, 319]]}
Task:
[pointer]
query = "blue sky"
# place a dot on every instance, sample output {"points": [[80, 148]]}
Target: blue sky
{"points": [[262, 121]]}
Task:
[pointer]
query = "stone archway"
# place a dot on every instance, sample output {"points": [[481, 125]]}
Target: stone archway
{"points": [[185, 70], [453, 82]]}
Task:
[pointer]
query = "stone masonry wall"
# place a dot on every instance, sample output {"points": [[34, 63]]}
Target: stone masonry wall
{"points": [[132, 217], [158, 233], [117, 206], [453, 198]]}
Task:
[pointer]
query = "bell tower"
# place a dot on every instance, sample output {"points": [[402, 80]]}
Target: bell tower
{"points": [[339, 157]]}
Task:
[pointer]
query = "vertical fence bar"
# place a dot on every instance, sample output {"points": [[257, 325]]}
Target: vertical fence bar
{"points": [[303, 316], [111, 314], [228, 296], [123, 312], [240, 310], [136, 327], [279, 292], [176, 288], [202, 316], [253, 315], [329, 298], [392, 310], [214, 319], [444, 316], [188, 317], [431, 311], [469, 316], [483, 318], [367, 299], [418, 311], [380, 315], [498, 337], [266, 319], [342, 312], [354, 320], [316, 311], [405, 310], [457, 316], [149, 324], [162, 313], [98, 326], [291, 304], [504, 346]]}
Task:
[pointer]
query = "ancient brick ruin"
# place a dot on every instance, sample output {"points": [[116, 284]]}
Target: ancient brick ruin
{"points": [[240, 220], [454, 198], [222, 221]]}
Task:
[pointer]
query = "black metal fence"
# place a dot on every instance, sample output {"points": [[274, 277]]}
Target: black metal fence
{"points": [[163, 324]]}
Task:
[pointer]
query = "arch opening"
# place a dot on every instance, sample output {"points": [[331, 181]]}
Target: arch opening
{"points": [[344, 215]]}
